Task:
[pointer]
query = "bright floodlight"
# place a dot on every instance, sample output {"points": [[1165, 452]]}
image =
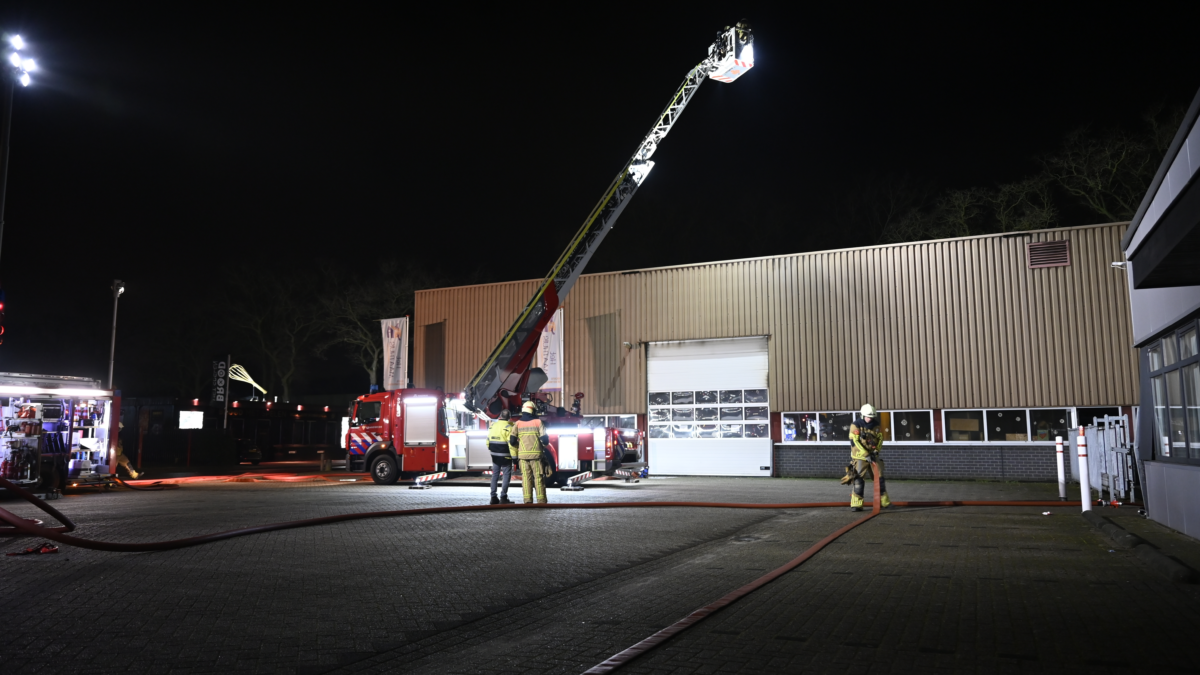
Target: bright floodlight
{"points": [[25, 79], [29, 65], [15, 59], [747, 53], [16, 42]]}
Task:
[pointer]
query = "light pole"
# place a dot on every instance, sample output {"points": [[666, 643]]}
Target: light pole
{"points": [[16, 69], [118, 288]]}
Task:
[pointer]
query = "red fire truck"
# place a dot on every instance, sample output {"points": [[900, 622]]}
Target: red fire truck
{"points": [[413, 431], [408, 430]]}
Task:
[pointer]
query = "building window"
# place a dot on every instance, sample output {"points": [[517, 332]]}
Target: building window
{"points": [[911, 426], [730, 413], [1046, 425], [963, 425], [613, 421], [1174, 363], [834, 426], [799, 427], [1007, 426]]}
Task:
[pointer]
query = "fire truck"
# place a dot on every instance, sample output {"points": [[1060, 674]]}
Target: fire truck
{"points": [[409, 430]]}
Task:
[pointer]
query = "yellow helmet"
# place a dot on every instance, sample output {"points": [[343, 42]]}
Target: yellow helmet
{"points": [[529, 407]]}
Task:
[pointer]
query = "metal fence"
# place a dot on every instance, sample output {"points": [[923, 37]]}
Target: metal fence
{"points": [[1110, 458]]}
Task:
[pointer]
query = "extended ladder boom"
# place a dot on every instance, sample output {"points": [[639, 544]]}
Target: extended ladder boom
{"points": [[731, 55]]}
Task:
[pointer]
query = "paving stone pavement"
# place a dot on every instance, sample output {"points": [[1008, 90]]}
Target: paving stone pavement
{"points": [[955, 589]]}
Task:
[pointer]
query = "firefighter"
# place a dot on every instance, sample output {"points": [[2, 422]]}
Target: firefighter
{"points": [[502, 455], [121, 459], [528, 437], [866, 440]]}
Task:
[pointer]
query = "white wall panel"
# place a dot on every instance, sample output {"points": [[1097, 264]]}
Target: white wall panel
{"points": [[710, 456], [738, 363]]}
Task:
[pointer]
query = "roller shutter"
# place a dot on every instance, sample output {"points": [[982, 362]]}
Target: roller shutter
{"points": [[708, 408]]}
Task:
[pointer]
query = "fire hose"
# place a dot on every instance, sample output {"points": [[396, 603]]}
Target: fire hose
{"points": [[18, 526]]}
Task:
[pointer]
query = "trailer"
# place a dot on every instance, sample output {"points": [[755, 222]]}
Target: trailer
{"points": [[59, 431]]}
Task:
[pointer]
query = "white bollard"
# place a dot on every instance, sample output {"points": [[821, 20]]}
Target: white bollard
{"points": [[1085, 488], [1062, 471]]}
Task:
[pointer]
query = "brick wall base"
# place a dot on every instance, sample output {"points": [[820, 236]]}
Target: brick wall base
{"points": [[936, 462]]}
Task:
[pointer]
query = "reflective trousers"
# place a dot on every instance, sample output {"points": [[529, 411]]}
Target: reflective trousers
{"points": [[122, 460], [863, 474], [501, 466], [531, 476]]}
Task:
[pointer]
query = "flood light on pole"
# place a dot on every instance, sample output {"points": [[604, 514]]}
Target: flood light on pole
{"points": [[21, 65]]}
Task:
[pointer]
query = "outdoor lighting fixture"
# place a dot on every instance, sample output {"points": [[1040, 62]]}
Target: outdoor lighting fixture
{"points": [[18, 390], [21, 66]]}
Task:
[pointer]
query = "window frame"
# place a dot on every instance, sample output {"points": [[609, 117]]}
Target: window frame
{"points": [[1192, 436], [932, 435]]}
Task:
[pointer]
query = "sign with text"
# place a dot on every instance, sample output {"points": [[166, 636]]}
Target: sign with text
{"points": [[395, 353], [549, 353], [220, 381]]}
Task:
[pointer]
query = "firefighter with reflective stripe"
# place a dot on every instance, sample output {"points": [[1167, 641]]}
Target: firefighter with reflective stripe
{"points": [[528, 437], [502, 455], [866, 440]]}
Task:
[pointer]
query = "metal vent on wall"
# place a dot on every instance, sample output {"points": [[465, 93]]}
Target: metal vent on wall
{"points": [[1049, 253]]}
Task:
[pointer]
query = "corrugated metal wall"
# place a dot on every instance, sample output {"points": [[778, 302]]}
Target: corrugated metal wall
{"points": [[958, 323]]}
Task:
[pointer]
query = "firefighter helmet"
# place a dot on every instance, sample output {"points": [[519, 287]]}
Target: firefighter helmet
{"points": [[529, 407], [867, 410]]}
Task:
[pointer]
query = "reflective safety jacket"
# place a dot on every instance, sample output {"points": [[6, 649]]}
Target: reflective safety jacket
{"points": [[528, 437], [866, 440], [498, 435]]}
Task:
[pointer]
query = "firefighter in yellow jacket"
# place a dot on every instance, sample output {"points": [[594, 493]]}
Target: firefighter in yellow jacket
{"points": [[866, 440], [529, 437], [503, 455]]}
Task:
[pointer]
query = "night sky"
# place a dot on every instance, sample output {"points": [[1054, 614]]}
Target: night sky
{"points": [[168, 144]]}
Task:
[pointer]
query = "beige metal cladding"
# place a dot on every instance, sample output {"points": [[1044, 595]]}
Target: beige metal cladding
{"points": [[955, 323]]}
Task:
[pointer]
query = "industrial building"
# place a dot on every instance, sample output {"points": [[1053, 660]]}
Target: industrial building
{"points": [[979, 351]]}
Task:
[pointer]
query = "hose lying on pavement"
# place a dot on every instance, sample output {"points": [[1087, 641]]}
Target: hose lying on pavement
{"points": [[22, 527]]}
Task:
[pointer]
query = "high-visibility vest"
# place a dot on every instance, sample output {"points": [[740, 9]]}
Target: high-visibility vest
{"points": [[529, 438], [865, 440], [499, 432]]}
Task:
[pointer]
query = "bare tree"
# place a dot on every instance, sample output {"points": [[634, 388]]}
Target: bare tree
{"points": [[352, 309], [1023, 205], [279, 323]]}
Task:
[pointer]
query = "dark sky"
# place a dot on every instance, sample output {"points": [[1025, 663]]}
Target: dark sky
{"points": [[159, 144]]}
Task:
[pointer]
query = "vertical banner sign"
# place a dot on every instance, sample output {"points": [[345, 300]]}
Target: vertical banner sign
{"points": [[220, 387], [395, 353], [549, 353]]}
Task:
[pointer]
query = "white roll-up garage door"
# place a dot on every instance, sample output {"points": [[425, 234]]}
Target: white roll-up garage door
{"points": [[708, 408]]}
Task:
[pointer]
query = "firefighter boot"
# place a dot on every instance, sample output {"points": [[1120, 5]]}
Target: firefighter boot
{"points": [[856, 502], [884, 502]]}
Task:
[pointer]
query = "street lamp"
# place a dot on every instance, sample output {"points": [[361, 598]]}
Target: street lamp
{"points": [[118, 288], [15, 69]]}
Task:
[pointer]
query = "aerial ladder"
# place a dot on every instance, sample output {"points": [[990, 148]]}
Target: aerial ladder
{"points": [[505, 378]]}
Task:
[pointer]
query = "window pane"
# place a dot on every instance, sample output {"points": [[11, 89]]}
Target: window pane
{"points": [[706, 414], [731, 396], [682, 414], [1175, 401], [1161, 427], [885, 425], [1087, 416], [681, 431], [1155, 355], [964, 425], [1191, 393], [757, 413], [1007, 426], [707, 431], [731, 413], [660, 398], [1047, 424], [660, 414], [756, 396], [706, 397], [660, 431], [756, 430], [682, 398], [835, 427], [1168, 349], [1187, 345], [800, 427], [731, 431], [912, 426]]}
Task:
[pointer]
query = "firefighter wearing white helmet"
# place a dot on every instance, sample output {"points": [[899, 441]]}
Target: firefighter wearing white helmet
{"points": [[529, 436], [866, 440]]}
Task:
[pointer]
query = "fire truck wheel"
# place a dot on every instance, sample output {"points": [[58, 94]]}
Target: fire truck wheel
{"points": [[383, 470]]}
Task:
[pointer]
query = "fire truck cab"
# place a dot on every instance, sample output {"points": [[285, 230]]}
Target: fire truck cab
{"points": [[395, 432]]}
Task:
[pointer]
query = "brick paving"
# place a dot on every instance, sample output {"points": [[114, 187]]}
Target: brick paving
{"points": [[918, 590]]}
